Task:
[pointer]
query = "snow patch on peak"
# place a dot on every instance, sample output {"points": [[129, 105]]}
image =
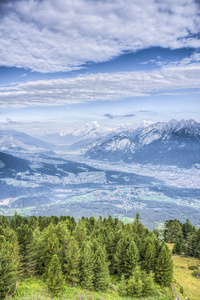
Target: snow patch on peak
{"points": [[118, 144], [150, 138]]}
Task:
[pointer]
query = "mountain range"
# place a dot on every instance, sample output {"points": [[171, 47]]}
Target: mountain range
{"points": [[164, 143], [15, 141], [33, 181], [80, 137], [84, 135]]}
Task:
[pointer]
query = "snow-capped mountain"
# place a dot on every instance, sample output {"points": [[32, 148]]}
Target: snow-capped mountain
{"points": [[90, 132], [12, 141], [171, 143], [78, 137]]}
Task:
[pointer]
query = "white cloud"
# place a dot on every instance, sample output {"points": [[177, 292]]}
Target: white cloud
{"points": [[50, 36], [101, 87]]}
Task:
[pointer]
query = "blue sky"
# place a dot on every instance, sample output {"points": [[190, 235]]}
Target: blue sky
{"points": [[66, 63]]}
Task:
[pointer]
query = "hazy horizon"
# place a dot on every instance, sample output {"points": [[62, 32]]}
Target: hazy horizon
{"points": [[65, 64]]}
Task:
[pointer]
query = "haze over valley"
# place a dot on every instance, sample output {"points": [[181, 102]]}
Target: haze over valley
{"points": [[100, 110], [105, 177]]}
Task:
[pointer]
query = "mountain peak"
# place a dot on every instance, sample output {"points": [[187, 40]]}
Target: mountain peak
{"points": [[174, 142]]}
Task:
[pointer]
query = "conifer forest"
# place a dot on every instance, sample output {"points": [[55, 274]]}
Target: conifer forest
{"points": [[90, 252]]}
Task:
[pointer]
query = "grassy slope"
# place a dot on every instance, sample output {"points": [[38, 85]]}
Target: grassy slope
{"points": [[32, 289], [183, 276]]}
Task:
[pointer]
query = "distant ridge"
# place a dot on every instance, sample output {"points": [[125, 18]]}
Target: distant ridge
{"points": [[12, 140], [169, 143]]}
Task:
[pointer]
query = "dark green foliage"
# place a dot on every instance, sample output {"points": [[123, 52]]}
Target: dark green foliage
{"points": [[48, 246], [92, 220], [80, 232], [32, 222], [126, 256], [17, 257], [193, 268], [195, 242], [177, 247], [122, 289], [137, 217], [1, 231], [174, 231], [187, 229], [131, 258], [43, 222], [185, 236], [101, 271], [87, 267], [26, 250], [135, 284], [181, 290], [148, 284], [110, 248], [72, 260], [90, 250], [55, 280], [149, 256], [17, 221], [164, 267], [196, 273], [4, 221], [62, 233], [8, 274]]}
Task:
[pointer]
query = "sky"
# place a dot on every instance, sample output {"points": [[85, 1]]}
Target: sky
{"points": [[68, 63]]}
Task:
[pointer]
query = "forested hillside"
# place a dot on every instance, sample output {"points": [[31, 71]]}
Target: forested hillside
{"points": [[186, 238], [103, 255], [98, 255], [88, 252]]}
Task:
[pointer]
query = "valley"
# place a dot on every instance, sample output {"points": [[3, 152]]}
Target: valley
{"points": [[85, 187], [46, 180]]}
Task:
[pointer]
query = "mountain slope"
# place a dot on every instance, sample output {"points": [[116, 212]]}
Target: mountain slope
{"points": [[12, 140], [88, 134], [171, 143], [11, 165]]}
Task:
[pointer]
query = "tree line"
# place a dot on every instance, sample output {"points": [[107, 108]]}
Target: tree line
{"points": [[186, 238], [87, 252]]}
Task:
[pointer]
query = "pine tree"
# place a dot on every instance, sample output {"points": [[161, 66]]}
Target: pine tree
{"points": [[149, 257], [62, 233], [187, 229], [80, 232], [55, 280], [9, 234], [48, 246], [87, 267], [137, 217], [1, 231], [17, 258], [8, 274], [119, 256], [135, 284], [4, 221], [17, 221], [26, 250], [110, 248], [122, 287], [174, 231], [32, 222], [164, 267], [177, 247], [72, 259], [101, 271], [131, 258], [148, 284], [126, 256], [195, 240]]}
